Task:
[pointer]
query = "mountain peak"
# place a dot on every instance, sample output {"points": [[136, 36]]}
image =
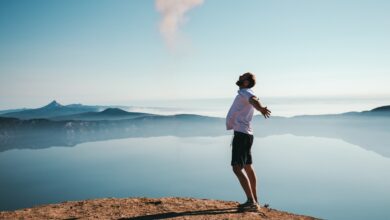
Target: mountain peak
{"points": [[382, 109], [114, 111], [53, 104]]}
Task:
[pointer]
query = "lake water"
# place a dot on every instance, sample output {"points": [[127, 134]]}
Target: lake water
{"points": [[326, 178]]}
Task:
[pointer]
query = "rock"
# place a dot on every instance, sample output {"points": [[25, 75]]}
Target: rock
{"points": [[147, 208]]}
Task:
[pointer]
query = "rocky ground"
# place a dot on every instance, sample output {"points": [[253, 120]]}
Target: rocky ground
{"points": [[146, 208]]}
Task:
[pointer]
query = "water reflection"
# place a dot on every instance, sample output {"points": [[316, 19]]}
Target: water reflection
{"points": [[371, 133], [322, 177]]}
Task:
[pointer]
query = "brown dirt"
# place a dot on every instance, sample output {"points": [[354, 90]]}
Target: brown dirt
{"points": [[146, 208]]}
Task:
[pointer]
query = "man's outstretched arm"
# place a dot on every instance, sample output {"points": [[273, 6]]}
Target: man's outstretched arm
{"points": [[257, 105]]}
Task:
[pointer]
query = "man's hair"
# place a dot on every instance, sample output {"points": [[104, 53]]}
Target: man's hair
{"points": [[251, 78]]}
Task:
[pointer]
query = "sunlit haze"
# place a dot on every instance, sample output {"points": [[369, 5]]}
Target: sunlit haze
{"points": [[130, 52]]}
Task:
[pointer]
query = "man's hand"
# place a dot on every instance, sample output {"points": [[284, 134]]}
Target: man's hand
{"points": [[265, 112], [256, 104]]}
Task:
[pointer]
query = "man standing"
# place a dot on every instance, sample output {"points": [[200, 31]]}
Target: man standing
{"points": [[239, 119]]}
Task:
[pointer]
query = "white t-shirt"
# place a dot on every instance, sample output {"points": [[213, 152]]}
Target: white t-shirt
{"points": [[241, 112]]}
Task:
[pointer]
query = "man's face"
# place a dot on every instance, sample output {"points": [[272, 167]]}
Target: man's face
{"points": [[243, 81]]}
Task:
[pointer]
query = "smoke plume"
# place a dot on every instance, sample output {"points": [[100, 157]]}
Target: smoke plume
{"points": [[173, 16]]}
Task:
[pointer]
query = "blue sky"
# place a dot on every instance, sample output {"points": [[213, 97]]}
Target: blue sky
{"points": [[112, 52]]}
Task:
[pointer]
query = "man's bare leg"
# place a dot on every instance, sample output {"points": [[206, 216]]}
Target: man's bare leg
{"points": [[244, 181], [252, 180]]}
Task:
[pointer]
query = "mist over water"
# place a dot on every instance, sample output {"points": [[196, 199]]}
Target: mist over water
{"points": [[279, 106]]}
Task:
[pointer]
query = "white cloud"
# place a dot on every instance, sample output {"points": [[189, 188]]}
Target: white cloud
{"points": [[173, 16]]}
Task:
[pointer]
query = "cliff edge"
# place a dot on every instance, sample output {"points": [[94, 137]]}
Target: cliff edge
{"points": [[146, 208]]}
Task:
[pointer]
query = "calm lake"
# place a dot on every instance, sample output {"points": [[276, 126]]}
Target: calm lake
{"points": [[322, 177]]}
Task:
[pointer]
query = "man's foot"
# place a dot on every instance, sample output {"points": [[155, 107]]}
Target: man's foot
{"points": [[249, 205], [248, 202]]}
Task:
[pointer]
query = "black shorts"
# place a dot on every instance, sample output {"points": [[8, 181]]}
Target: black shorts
{"points": [[241, 149]]}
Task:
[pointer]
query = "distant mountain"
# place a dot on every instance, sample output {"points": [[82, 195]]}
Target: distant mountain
{"points": [[53, 105], [367, 130], [12, 110], [52, 109], [114, 111], [107, 114], [382, 109], [379, 111], [42, 133]]}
